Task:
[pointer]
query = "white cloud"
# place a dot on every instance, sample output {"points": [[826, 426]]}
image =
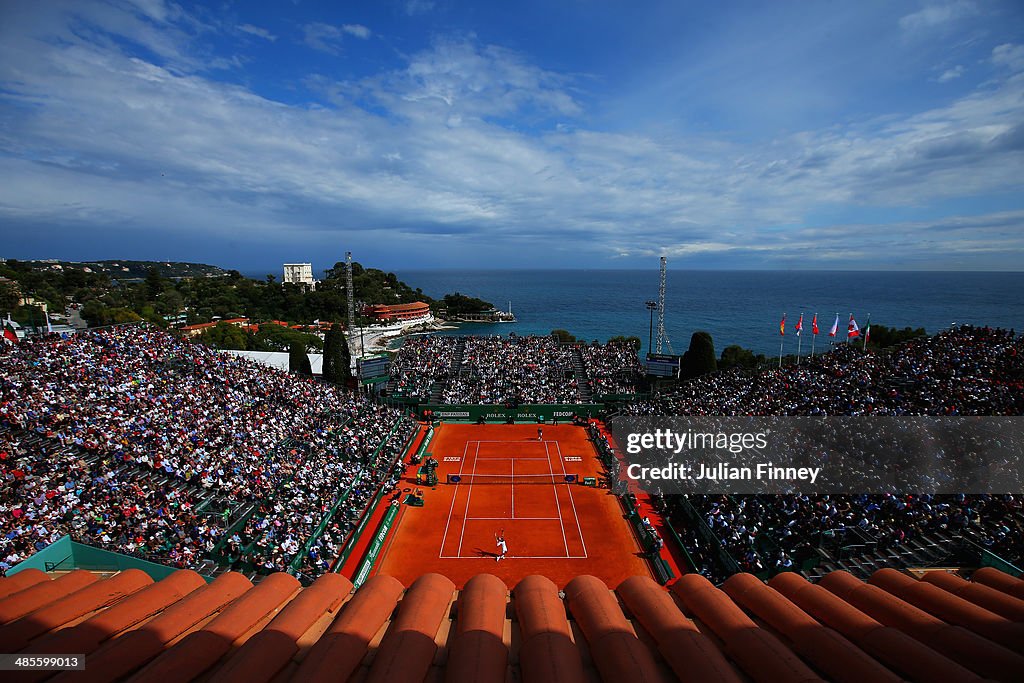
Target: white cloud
{"points": [[471, 140], [463, 78], [258, 32], [952, 74], [328, 38], [414, 7], [357, 30], [1009, 55], [937, 13]]}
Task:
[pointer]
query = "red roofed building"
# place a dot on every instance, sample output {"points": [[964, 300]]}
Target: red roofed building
{"points": [[196, 330], [398, 312]]}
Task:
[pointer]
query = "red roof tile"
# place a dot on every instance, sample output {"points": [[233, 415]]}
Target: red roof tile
{"points": [[842, 629]]}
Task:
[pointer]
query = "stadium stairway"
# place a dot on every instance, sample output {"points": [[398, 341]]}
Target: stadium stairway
{"points": [[582, 378], [932, 549], [438, 387]]}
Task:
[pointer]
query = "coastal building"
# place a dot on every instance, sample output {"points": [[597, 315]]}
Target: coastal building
{"points": [[196, 330], [299, 274], [398, 312]]}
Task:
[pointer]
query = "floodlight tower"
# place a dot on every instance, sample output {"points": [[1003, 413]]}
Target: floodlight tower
{"points": [[662, 336], [351, 296], [348, 289]]}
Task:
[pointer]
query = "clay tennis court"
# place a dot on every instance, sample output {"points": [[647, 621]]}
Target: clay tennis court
{"points": [[529, 489]]}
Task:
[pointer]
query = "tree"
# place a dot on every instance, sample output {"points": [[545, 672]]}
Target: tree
{"points": [[298, 360], [734, 356], [700, 358], [9, 297], [154, 282], [459, 304], [337, 360], [563, 336], [882, 336], [226, 336], [632, 342]]}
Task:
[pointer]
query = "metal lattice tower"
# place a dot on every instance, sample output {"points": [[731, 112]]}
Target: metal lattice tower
{"points": [[662, 336], [351, 292]]}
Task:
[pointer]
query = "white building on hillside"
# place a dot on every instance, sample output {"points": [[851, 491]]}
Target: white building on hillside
{"points": [[299, 274]]}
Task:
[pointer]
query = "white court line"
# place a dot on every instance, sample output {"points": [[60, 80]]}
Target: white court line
{"points": [[517, 557], [514, 557], [507, 519], [452, 509], [524, 441], [512, 483], [558, 506], [574, 513], [468, 496], [511, 458]]}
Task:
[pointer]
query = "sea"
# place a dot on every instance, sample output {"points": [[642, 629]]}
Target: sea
{"points": [[735, 307]]}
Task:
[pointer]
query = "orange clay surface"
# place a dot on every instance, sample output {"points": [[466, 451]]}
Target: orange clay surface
{"points": [[555, 529]]}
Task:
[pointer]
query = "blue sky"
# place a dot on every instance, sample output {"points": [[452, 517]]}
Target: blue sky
{"points": [[435, 133]]}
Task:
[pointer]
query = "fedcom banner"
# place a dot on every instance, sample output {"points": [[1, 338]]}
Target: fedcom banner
{"points": [[713, 455]]}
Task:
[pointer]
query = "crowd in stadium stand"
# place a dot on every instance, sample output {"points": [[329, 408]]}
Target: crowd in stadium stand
{"points": [[421, 361], [498, 370], [611, 368], [118, 437], [765, 532], [132, 440], [512, 370], [963, 371]]}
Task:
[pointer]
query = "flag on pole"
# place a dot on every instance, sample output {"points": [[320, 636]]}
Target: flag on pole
{"points": [[782, 325], [867, 332], [852, 330], [799, 325], [835, 327], [9, 334], [814, 324]]}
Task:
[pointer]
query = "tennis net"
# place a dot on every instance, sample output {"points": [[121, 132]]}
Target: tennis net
{"points": [[513, 479]]}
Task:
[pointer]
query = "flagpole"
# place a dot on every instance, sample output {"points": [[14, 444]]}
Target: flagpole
{"points": [[814, 333], [866, 333], [782, 337]]}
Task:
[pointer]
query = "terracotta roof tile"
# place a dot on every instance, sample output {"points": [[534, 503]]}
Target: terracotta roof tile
{"points": [[270, 650], [43, 593], [202, 649], [477, 651], [911, 658], [973, 651], [409, 646], [841, 629], [990, 576], [616, 651], [689, 652], [984, 596], [547, 653], [338, 653], [122, 656], [94, 596], [951, 608], [826, 649], [20, 581]]}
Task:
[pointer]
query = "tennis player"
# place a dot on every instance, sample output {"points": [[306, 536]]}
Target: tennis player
{"points": [[501, 546]]}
